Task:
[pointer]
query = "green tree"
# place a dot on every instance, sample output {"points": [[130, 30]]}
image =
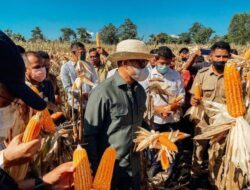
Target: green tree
{"points": [[36, 34], [128, 30], [83, 35], [200, 34], [67, 34], [217, 38], [15, 36], [239, 29], [184, 38], [9, 32], [109, 34]]}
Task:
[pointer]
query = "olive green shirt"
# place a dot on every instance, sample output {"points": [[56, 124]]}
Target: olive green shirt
{"points": [[113, 114]]}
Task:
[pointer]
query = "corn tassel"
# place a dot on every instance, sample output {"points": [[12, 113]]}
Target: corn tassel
{"points": [[31, 132], [98, 40], [82, 173], [105, 170], [233, 91]]}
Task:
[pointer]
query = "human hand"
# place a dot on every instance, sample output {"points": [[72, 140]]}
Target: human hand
{"points": [[17, 152], [163, 111], [194, 101], [61, 177], [101, 51]]}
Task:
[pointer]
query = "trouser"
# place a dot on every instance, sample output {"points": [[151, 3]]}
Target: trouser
{"points": [[123, 181], [200, 151], [155, 165], [7, 182]]}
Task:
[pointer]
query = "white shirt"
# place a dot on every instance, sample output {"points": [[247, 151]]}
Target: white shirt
{"points": [[172, 80]]}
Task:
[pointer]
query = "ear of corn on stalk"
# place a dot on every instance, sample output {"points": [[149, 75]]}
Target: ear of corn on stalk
{"points": [[82, 174], [104, 173]]}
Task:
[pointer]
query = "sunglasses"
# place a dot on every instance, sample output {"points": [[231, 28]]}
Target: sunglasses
{"points": [[139, 63]]}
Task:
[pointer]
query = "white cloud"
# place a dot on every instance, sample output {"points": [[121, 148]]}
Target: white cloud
{"points": [[174, 36]]}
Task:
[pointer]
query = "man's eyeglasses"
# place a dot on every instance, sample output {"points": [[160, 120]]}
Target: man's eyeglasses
{"points": [[139, 63]]}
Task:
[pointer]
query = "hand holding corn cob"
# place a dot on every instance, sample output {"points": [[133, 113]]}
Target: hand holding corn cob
{"points": [[18, 153]]}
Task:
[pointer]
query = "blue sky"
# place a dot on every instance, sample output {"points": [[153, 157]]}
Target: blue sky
{"points": [[151, 16]]}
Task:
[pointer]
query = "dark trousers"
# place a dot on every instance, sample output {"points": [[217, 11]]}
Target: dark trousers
{"points": [[155, 165], [122, 181]]}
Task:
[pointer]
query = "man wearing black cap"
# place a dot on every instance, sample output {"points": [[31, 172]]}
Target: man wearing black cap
{"points": [[13, 92]]}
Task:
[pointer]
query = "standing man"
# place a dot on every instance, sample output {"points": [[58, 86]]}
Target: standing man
{"points": [[101, 68], [74, 68], [166, 117], [50, 76], [211, 81], [114, 112], [36, 75], [14, 94]]}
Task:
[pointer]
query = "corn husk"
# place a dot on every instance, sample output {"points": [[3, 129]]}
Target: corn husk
{"points": [[237, 155], [195, 112], [146, 139]]}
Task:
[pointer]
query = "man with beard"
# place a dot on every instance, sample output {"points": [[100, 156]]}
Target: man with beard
{"points": [[211, 81]]}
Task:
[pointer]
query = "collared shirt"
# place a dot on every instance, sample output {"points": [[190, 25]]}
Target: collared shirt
{"points": [[212, 87], [175, 87], [53, 80], [113, 114], [68, 76], [102, 71]]}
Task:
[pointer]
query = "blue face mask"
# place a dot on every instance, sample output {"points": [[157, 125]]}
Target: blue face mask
{"points": [[162, 69]]}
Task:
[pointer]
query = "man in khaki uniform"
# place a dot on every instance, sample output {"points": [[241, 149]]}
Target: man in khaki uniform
{"points": [[211, 81]]}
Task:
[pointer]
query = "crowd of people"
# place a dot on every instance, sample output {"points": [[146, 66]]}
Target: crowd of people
{"points": [[110, 98]]}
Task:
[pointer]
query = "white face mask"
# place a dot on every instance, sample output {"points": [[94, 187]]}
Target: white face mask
{"points": [[140, 74], [38, 74], [8, 118]]}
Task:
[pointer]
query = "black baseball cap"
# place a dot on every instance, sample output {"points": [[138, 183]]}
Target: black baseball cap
{"points": [[12, 74]]}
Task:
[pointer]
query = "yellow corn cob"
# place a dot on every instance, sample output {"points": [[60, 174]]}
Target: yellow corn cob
{"points": [[105, 170], [33, 128], [247, 55], [98, 40], [233, 91], [82, 173], [48, 124], [197, 91], [31, 132]]}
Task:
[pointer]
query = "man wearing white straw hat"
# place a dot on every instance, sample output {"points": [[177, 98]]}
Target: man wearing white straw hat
{"points": [[114, 112]]}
